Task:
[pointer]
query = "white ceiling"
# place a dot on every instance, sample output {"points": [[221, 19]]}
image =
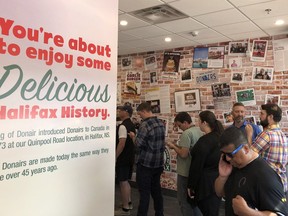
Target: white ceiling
{"points": [[215, 20]]}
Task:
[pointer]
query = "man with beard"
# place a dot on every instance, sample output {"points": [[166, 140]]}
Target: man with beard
{"points": [[272, 143], [238, 113]]}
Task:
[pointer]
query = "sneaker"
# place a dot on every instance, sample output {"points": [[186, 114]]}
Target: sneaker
{"points": [[130, 206], [121, 212]]}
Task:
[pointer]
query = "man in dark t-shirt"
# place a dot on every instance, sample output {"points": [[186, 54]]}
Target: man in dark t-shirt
{"points": [[250, 186], [124, 157]]}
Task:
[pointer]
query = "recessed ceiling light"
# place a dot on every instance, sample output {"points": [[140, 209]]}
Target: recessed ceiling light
{"points": [[123, 22], [279, 22], [168, 39]]}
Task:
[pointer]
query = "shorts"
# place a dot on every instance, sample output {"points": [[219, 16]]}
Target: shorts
{"points": [[124, 173]]}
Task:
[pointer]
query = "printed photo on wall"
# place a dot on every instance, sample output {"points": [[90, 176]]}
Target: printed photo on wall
{"points": [[251, 119], [133, 83], [272, 99], [155, 105], [171, 62], [188, 100], [262, 74], [259, 50], [200, 57], [238, 48], [216, 57], [126, 63], [228, 118], [186, 75], [153, 78], [237, 77], [221, 90], [150, 62], [235, 63], [247, 96]]}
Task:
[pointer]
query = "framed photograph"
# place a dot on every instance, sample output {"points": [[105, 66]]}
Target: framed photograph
{"points": [[153, 78], [126, 63], [251, 119], [186, 75], [155, 106], [171, 62], [235, 63], [200, 57], [259, 50], [228, 118], [188, 100], [262, 74], [237, 48], [216, 57], [237, 77], [247, 96], [150, 62], [272, 99], [220, 90]]}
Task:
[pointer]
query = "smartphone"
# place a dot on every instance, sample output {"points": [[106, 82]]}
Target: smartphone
{"points": [[224, 158]]}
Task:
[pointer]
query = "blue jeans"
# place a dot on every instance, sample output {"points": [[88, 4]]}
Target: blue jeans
{"points": [[148, 181], [185, 207]]}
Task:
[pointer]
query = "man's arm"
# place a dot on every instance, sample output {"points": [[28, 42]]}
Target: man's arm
{"points": [[120, 146], [183, 152]]}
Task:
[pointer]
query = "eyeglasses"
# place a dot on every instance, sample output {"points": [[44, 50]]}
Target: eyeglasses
{"points": [[231, 154]]}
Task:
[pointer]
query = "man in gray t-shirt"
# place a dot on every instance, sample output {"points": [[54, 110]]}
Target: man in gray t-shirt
{"points": [[188, 138]]}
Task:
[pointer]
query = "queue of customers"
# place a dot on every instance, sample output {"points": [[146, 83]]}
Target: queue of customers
{"points": [[240, 164]]}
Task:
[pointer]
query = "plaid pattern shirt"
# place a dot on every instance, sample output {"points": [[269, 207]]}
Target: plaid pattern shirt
{"points": [[272, 145], [150, 141]]}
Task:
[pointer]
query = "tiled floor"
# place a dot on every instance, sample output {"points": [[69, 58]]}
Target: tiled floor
{"points": [[171, 207]]}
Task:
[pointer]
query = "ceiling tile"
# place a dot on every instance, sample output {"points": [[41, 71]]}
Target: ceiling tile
{"points": [[237, 28], [267, 23], [122, 37], [244, 36], [147, 32], [212, 40], [203, 33], [133, 5], [139, 43], [133, 22], [221, 18], [175, 39], [257, 11], [182, 25], [195, 7], [248, 2]]}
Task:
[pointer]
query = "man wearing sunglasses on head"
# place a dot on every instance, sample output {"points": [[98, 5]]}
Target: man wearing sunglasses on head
{"points": [[250, 186]]}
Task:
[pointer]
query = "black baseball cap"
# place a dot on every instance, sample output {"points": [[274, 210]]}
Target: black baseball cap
{"points": [[126, 108]]}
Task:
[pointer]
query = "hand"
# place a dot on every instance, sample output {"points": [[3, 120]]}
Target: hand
{"points": [[239, 205], [249, 130], [225, 168]]}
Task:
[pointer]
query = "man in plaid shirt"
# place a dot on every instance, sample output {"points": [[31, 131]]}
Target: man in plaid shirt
{"points": [[272, 143]]}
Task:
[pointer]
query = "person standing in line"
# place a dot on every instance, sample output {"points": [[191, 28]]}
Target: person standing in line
{"points": [[272, 143], [238, 113], [187, 140], [124, 157], [204, 165], [250, 186], [150, 143]]}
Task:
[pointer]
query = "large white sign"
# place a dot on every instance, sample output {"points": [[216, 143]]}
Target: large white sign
{"points": [[58, 65]]}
